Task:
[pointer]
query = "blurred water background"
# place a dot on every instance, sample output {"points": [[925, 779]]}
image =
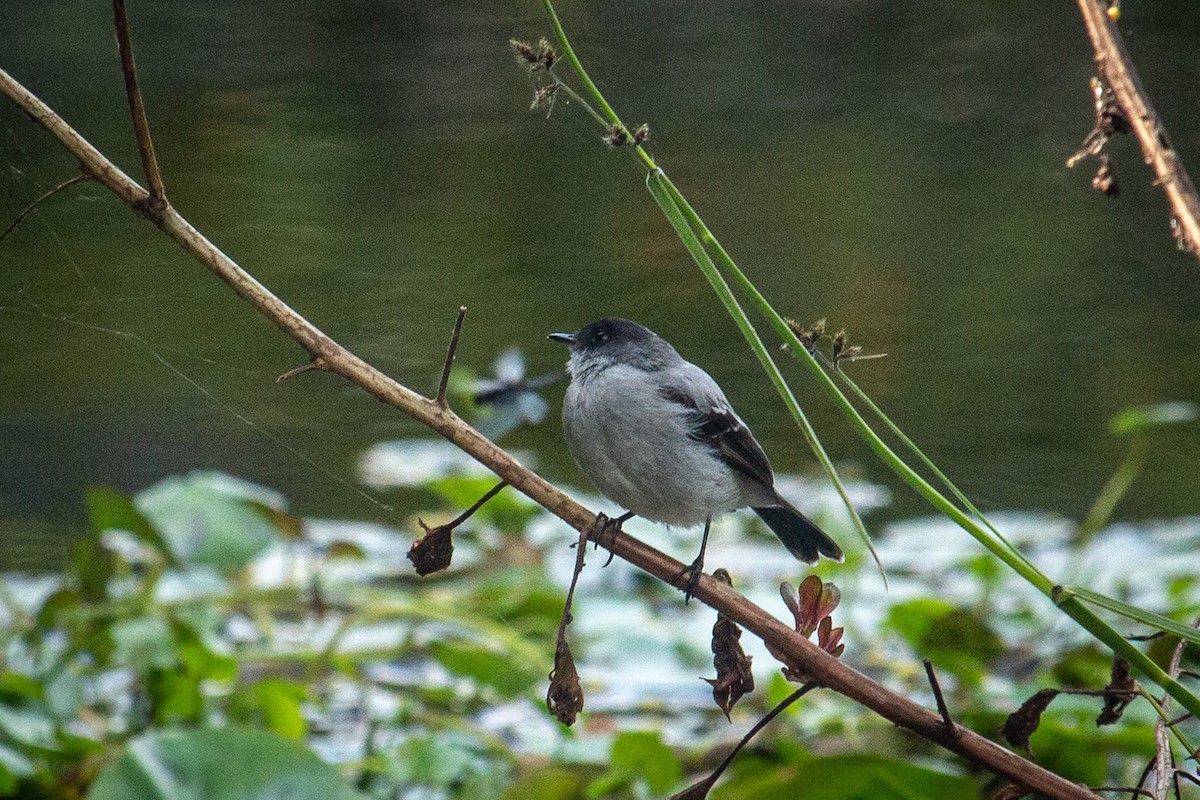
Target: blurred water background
{"points": [[896, 168]]}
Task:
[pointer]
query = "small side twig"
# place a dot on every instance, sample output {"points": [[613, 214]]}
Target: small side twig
{"points": [[450, 351], [316, 363], [478, 504], [137, 109], [951, 728], [83, 176]]}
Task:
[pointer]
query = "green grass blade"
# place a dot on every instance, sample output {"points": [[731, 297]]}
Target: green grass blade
{"points": [[1153, 619]]}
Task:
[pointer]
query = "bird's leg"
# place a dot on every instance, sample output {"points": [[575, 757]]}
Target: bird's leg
{"points": [[696, 568], [609, 530]]}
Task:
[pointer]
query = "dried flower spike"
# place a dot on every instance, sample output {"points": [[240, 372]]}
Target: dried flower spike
{"points": [[641, 135], [616, 136], [543, 97], [564, 697], [808, 336], [539, 58], [546, 55], [524, 52], [1116, 701]]}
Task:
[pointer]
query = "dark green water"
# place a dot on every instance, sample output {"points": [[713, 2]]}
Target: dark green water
{"points": [[896, 168]]}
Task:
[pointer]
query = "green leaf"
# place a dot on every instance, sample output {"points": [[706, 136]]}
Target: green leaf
{"points": [[1140, 418], [143, 643], [434, 761], [61, 602], [28, 725], [912, 619], [110, 510], [953, 638], [17, 687], [176, 697], [8, 781], [639, 754], [274, 703], [225, 764], [485, 665], [548, 783], [281, 706], [93, 566], [208, 519]]}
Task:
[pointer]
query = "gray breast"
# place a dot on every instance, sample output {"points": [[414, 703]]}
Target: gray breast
{"points": [[635, 446]]}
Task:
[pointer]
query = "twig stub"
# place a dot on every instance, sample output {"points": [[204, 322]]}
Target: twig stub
{"points": [[947, 720], [450, 351]]}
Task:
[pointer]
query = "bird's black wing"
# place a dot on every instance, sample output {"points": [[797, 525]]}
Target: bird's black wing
{"points": [[717, 425]]}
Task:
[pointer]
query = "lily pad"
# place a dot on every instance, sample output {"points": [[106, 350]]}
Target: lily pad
{"points": [[224, 764]]}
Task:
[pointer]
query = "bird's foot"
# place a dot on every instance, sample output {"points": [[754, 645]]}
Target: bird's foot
{"points": [[607, 533], [692, 572]]}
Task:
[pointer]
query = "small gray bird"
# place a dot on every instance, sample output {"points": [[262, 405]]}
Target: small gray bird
{"points": [[657, 436]]}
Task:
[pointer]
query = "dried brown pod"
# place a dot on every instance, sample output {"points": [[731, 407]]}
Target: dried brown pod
{"points": [[564, 698], [1121, 688], [433, 551], [1021, 724], [734, 678]]}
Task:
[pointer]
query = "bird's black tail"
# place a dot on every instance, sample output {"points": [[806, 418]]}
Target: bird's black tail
{"points": [[799, 534]]}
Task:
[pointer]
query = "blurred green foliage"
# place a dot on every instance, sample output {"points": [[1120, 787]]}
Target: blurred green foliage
{"points": [[169, 661]]}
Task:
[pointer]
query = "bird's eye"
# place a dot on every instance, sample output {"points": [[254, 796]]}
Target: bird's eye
{"points": [[600, 337]]}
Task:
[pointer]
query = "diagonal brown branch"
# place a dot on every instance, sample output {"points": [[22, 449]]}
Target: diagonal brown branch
{"points": [[823, 668], [1117, 70], [137, 109]]}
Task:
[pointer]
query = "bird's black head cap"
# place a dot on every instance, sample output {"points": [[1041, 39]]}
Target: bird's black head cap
{"points": [[618, 341]]}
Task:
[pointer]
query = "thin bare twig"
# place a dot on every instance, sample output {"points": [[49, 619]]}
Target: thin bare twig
{"points": [[701, 788], [1117, 70], [951, 728], [564, 695], [137, 109], [478, 504], [83, 176], [793, 648], [450, 351]]}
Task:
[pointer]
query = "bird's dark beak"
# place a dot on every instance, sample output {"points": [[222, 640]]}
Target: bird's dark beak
{"points": [[566, 338]]}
